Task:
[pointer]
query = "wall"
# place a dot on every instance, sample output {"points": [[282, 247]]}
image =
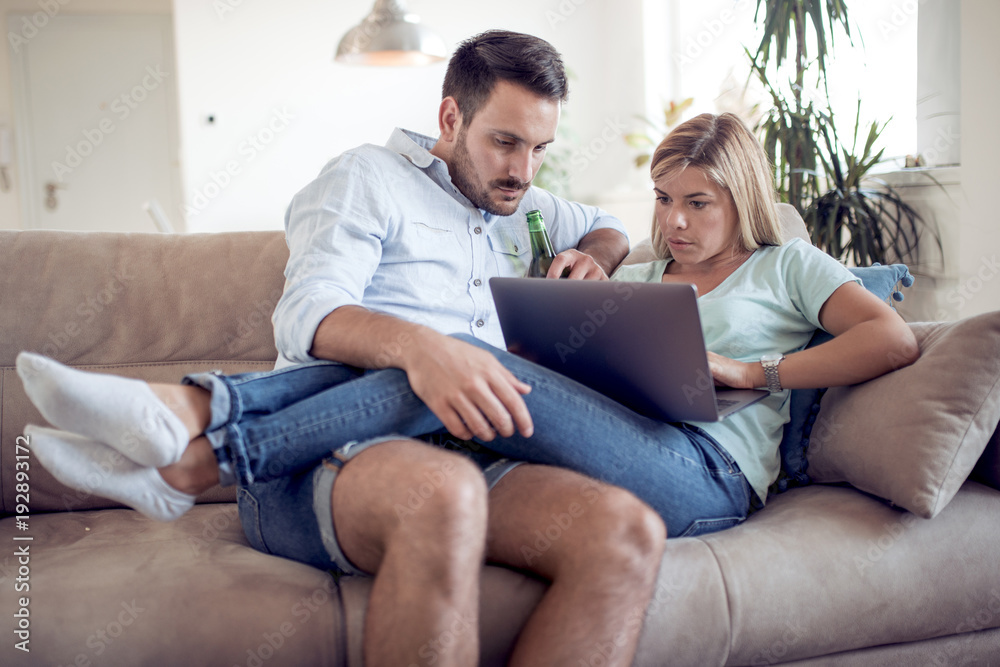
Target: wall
{"points": [[10, 205], [978, 288], [281, 108]]}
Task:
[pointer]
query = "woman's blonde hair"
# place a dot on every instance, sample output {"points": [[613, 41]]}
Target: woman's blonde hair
{"points": [[726, 151]]}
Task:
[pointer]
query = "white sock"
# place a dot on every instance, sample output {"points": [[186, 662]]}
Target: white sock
{"points": [[120, 412], [91, 466]]}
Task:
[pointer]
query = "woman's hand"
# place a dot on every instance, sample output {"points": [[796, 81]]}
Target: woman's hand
{"points": [[735, 374]]}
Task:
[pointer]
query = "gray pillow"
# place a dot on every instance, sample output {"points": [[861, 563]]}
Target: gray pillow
{"points": [[913, 436]]}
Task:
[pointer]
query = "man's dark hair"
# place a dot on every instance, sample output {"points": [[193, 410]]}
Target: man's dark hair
{"points": [[480, 61]]}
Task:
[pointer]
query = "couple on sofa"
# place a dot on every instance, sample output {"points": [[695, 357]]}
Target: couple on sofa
{"points": [[391, 250]]}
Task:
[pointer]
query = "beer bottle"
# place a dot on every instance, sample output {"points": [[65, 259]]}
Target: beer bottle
{"points": [[542, 253]]}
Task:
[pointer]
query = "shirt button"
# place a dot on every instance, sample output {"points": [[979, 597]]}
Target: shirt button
{"points": [[478, 230], [477, 282], [480, 324]]}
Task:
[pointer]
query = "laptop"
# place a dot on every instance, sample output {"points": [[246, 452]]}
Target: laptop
{"points": [[638, 343]]}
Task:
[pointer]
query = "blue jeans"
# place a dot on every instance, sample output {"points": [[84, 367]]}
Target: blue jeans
{"points": [[274, 424]]}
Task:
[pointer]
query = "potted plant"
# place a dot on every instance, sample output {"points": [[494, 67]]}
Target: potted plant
{"points": [[849, 213]]}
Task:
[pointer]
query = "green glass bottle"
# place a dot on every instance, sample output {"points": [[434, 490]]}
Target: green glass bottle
{"points": [[542, 253]]}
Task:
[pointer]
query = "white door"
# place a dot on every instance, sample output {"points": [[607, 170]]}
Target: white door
{"points": [[95, 106]]}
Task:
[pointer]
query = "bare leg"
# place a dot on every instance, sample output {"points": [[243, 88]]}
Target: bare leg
{"points": [[416, 516], [599, 545], [196, 472], [191, 405]]}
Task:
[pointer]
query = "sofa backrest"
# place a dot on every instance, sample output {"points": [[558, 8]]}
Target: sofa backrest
{"points": [[151, 306]]}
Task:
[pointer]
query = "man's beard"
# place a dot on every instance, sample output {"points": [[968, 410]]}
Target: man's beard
{"points": [[464, 173]]}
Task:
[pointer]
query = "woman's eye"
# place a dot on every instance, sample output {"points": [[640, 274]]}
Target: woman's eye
{"points": [[698, 204]]}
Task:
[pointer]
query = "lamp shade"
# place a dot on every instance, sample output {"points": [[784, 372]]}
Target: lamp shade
{"points": [[390, 36]]}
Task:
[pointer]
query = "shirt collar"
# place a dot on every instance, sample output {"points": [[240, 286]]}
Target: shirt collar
{"points": [[413, 146]]}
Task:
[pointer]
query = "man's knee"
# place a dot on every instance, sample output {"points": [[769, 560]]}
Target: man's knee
{"points": [[412, 498], [446, 491], [631, 533]]}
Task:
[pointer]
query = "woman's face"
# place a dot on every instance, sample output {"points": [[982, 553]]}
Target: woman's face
{"points": [[697, 218]]}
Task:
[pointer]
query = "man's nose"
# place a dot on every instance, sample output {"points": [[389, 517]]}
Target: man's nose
{"points": [[522, 166]]}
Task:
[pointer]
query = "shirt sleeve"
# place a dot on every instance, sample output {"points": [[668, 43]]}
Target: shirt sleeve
{"points": [[568, 222], [334, 229], [811, 276]]}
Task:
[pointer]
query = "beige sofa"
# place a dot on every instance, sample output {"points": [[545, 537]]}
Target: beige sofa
{"points": [[824, 575]]}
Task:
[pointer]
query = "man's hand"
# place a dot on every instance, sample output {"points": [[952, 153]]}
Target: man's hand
{"points": [[467, 388], [581, 266]]}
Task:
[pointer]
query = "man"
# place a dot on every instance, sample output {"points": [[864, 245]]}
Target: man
{"points": [[391, 249]]}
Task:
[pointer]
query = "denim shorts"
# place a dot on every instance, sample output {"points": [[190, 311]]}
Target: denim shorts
{"points": [[292, 516]]}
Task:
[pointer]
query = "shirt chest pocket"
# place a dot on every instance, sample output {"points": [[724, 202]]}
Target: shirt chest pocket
{"points": [[510, 239]]}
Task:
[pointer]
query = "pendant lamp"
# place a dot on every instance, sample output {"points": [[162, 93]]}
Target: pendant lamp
{"points": [[390, 36]]}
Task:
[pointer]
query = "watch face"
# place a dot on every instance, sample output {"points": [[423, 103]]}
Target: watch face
{"points": [[770, 357]]}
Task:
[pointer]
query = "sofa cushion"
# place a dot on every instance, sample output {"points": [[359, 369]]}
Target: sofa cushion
{"points": [[883, 282], [114, 588], [913, 436]]}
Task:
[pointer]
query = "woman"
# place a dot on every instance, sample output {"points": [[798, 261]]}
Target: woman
{"points": [[715, 227]]}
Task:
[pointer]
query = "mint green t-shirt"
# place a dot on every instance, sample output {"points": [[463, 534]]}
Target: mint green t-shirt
{"points": [[769, 304]]}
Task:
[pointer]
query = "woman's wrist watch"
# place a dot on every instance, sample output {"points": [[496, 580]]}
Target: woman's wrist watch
{"points": [[770, 363]]}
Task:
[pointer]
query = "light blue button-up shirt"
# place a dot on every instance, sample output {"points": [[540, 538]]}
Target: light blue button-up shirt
{"points": [[385, 228]]}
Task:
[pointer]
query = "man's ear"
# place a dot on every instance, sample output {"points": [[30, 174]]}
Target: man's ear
{"points": [[449, 119]]}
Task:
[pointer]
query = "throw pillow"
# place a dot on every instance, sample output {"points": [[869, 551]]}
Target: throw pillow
{"points": [[883, 282], [914, 435]]}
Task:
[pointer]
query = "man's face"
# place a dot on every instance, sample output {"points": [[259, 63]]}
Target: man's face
{"points": [[498, 154]]}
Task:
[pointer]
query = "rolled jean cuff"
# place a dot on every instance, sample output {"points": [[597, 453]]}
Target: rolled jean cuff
{"points": [[221, 412]]}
